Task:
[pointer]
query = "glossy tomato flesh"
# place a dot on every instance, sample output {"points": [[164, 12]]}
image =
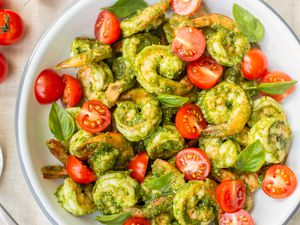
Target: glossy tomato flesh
{"points": [[72, 92], [49, 87], [107, 27], [137, 221], [79, 172], [139, 166], [189, 121], [274, 77], [11, 26], [3, 67], [193, 163], [231, 195], [279, 182], [189, 44], [204, 73], [184, 7], [94, 116], [241, 217]]}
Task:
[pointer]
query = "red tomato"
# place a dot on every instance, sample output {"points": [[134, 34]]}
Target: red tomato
{"points": [[79, 172], [255, 64], [189, 121], [241, 217], [231, 195], [49, 87], [193, 163], [204, 73], [189, 44], [274, 77], [107, 27], [184, 7], [3, 67], [72, 91], [11, 26], [139, 166], [279, 182], [94, 116], [136, 221]]}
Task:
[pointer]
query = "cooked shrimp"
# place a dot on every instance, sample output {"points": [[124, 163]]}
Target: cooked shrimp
{"points": [[225, 106], [54, 172], [137, 114], [147, 18], [156, 67], [83, 44], [57, 149], [210, 20]]}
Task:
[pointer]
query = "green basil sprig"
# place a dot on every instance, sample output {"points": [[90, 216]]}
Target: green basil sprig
{"points": [[159, 183], [116, 219], [61, 123], [172, 100], [125, 8], [274, 88], [248, 24], [251, 159]]}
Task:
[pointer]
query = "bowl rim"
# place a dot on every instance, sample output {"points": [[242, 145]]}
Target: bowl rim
{"points": [[21, 84]]}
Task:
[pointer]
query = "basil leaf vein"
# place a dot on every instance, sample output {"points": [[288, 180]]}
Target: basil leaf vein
{"points": [[172, 100], [275, 88], [125, 8], [248, 24], [252, 158], [61, 123], [159, 183], [116, 219]]}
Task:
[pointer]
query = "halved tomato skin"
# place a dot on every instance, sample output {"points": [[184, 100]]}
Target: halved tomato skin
{"points": [[205, 72], [193, 163], [189, 44], [137, 221], [279, 182], [241, 217], [231, 195], [189, 121], [4, 67], [185, 8], [277, 76], [72, 92], [139, 165]]}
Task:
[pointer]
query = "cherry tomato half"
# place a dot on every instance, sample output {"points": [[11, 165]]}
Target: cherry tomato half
{"points": [[139, 166], [72, 92], [189, 121], [241, 217], [3, 67], [94, 116], [193, 163], [274, 77], [49, 87], [255, 64], [231, 195], [11, 27], [79, 172], [189, 44], [107, 27], [279, 182], [184, 7], [205, 72], [136, 221]]}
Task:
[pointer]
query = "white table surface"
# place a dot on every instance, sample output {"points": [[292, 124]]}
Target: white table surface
{"points": [[38, 15]]}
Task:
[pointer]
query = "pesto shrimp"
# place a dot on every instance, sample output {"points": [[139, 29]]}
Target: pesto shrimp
{"points": [[242, 138], [214, 19], [275, 135], [164, 219], [158, 68], [227, 107], [223, 154], [114, 192], [54, 172], [164, 143], [137, 114], [195, 203], [266, 107], [77, 141], [83, 44], [58, 150], [75, 198], [148, 18]]}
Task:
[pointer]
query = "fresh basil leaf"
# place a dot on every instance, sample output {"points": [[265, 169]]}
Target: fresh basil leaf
{"points": [[125, 8], [159, 183], [61, 123], [252, 158], [172, 100], [248, 24], [275, 88], [116, 219]]}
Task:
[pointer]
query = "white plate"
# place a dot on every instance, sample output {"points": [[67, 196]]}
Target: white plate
{"points": [[280, 44]]}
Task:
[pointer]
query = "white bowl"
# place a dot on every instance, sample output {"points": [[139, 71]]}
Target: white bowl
{"points": [[280, 44]]}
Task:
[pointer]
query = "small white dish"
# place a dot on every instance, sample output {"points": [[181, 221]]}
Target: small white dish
{"points": [[280, 44]]}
